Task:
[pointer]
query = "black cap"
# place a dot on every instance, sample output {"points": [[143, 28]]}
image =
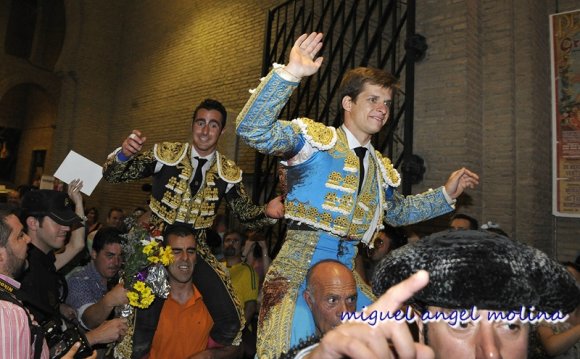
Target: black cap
{"points": [[479, 268], [54, 204]]}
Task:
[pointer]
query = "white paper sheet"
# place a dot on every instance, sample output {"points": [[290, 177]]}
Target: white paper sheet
{"points": [[76, 166]]}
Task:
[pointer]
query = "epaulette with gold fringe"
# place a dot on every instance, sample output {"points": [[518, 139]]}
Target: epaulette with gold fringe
{"points": [[227, 169], [170, 153], [317, 134], [390, 175]]}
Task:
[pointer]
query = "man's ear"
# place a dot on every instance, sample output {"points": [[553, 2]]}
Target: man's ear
{"points": [[93, 254], [346, 103], [32, 223], [307, 298], [3, 255]]}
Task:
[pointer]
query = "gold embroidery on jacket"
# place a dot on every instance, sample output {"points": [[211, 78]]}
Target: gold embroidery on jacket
{"points": [[170, 153], [228, 170], [318, 134]]}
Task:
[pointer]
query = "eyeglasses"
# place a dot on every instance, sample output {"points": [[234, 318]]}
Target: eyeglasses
{"points": [[231, 239]]}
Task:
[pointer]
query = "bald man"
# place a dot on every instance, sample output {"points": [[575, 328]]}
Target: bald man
{"points": [[330, 291]]}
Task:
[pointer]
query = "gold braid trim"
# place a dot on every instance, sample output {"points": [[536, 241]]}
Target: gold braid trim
{"points": [[124, 349], [227, 169], [280, 291], [390, 174], [317, 134], [170, 153], [365, 288], [204, 251]]}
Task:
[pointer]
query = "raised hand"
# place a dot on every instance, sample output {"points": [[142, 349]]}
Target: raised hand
{"points": [[459, 181], [74, 191], [303, 60], [133, 143]]}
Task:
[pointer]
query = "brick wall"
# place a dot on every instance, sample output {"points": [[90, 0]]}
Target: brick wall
{"points": [[566, 231], [29, 97], [149, 70], [482, 93], [89, 71]]}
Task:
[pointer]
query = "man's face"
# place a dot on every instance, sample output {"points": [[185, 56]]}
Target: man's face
{"points": [[108, 260], [382, 245], [183, 248], [48, 234], [16, 247], [13, 198], [478, 340], [115, 219], [369, 112], [333, 291], [460, 223], [206, 130], [232, 245], [92, 216]]}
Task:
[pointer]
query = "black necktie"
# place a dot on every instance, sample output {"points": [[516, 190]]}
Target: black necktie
{"points": [[360, 152], [198, 177]]}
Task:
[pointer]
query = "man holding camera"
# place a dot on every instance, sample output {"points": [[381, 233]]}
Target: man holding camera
{"points": [[48, 216], [20, 334]]}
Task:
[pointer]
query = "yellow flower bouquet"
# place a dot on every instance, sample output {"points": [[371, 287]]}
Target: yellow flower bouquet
{"points": [[144, 276]]}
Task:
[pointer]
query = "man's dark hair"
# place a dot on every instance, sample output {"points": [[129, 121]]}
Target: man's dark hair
{"points": [[94, 209], [397, 235], [473, 223], [211, 104], [114, 209], [239, 234], [105, 236], [178, 229], [213, 239], [5, 230], [354, 80]]}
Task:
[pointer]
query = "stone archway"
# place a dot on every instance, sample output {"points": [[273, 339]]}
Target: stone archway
{"points": [[28, 116]]}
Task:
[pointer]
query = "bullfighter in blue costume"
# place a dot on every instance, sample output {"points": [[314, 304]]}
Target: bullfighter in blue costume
{"points": [[332, 203]]}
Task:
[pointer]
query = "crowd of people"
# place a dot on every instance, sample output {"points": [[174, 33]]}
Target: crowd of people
{"points": [[347, 281]]}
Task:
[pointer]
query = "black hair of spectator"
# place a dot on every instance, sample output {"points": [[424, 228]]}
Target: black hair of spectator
{"points": [[212, 238], [473, 223], [5, 230], [104, 236], [94, 209], [178, 229], [398, 236], [114, 209]]}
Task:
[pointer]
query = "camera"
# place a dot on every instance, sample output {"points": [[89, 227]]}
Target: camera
{"points": [[61, 336]]}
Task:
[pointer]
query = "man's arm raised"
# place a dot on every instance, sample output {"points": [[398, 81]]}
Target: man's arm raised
{"points": [[303, 61]]}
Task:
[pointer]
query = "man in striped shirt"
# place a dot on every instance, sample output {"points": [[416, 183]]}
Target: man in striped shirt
{"points": [[20, 337]]}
